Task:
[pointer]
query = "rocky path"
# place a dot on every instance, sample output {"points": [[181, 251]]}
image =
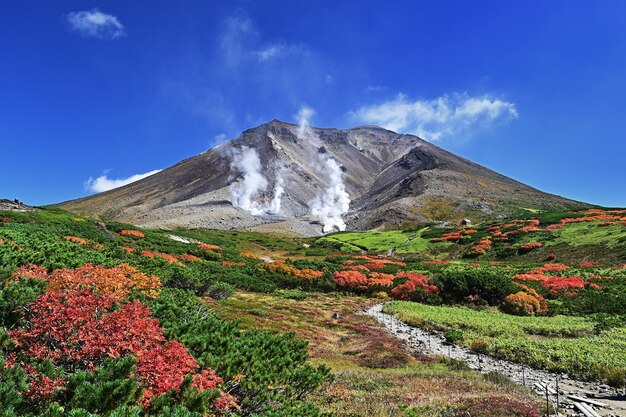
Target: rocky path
{"points": [[613, 404]]}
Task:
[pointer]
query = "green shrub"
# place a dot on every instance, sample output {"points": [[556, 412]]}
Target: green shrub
{"points": [[453, 336], [490, 284], [220, 290], [292, 295]]}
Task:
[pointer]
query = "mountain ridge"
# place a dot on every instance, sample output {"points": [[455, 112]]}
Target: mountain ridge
{"points": [[391, 180]]}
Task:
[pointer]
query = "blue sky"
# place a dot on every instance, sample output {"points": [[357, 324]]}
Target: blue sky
{"points": [[106, 90]]}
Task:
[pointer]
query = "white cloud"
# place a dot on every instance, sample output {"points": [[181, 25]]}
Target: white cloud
{"points": [[270, 52], [104, 183], [454, 115], [241, 44], [95, 24]]}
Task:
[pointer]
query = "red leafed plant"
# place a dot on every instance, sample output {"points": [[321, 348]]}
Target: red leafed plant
{"points": [[415, 287], [527, 247], [376, 279], [78, 330], [189, 258], [568, 285], [353, 279]]}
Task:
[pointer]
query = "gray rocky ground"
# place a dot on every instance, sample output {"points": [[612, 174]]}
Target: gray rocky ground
{"points": [[535, 379]]}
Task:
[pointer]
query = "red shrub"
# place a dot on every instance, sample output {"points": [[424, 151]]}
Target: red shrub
{"points": [[527, 247], [79, 330], [353, 279], [556, 284], [5, 220], [415, 287], [189, 258], [550, 268], [376, 279]]}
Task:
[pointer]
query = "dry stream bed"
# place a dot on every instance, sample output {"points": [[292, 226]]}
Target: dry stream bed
{"points": [[587, 393]]}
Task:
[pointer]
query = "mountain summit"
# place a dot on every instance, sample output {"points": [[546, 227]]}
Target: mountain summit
{"points": [[306, 180]]}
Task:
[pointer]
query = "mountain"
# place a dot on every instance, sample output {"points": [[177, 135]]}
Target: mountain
{"points": [[390, 180]]}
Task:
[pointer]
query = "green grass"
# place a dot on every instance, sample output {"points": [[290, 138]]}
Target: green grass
{"points": [[488, 323], [561, 344], [403, 241], [581, 234]]}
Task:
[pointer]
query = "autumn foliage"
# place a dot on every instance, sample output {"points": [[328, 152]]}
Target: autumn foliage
{"points": [[414, 288], [208, 246], [292, 271], [134, 233], [524, 303], [117, 282], [78, 330], [350, 279]]}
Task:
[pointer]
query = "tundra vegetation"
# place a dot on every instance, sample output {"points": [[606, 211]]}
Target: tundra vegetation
{"points": [[102, 318]]}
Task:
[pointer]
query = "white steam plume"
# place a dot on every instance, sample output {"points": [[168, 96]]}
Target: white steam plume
{"points": [[244, 192], [334, 201], [330, 206], [279, 189]]}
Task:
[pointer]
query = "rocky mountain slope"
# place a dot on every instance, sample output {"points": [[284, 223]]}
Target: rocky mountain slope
{"points": [[296, 178]]}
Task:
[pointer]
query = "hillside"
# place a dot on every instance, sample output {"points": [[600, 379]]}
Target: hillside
{"points": [[300, 179], [59, 269], [587, 236]]}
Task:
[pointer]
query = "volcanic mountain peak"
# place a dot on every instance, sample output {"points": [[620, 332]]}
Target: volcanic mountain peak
{"points": [[303, 179]]}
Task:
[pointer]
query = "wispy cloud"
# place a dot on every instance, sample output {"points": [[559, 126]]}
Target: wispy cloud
{"points": [[453, 115], [104, 183], [241, 43], [95, 24], [244, 76]]}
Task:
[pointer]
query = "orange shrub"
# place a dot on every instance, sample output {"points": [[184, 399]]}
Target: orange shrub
{"points": [[524, 303], [31, 271], [353, 279], [208, 246], [169, 258], [189, 258], [116, 282], [290, 270], [228, 264], [527, 247], [84, 242], [379, 279], [135, 233]]}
